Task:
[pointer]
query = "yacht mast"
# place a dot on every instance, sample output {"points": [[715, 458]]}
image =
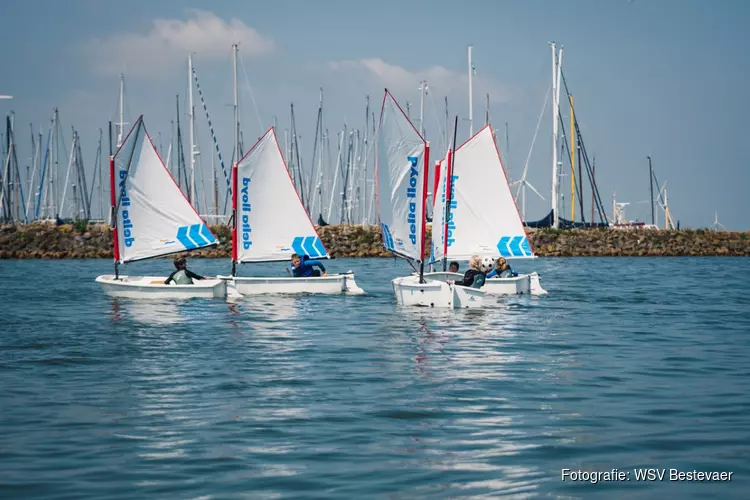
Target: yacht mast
{"points": [[191, 126], [471, 96], [122, 111]]}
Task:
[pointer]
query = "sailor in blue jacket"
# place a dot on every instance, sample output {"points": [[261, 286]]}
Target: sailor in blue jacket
{"points": [[502, 270], [302, 267]]}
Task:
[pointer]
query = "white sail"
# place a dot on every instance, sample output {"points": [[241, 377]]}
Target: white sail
{"points": [[484, 218], [271, 222], [401, 160], [153, 216]]}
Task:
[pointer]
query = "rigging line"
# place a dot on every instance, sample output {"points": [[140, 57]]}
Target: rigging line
{"points": [[44, 166], [199, 172], [579, 136], [533, 140], [61, 138], [437, 120], [252, 97], [210, 126], [567, 147]]}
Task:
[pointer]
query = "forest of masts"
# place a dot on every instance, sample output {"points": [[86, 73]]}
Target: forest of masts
{"points": [[55, 182], [335, 183]]}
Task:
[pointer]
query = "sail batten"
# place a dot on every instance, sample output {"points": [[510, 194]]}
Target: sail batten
{"points": [[271, 222], [154, 218]]}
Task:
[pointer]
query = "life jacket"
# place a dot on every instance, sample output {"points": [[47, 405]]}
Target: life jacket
{"points": [[478, 280], [181, 278], [508, 273]]}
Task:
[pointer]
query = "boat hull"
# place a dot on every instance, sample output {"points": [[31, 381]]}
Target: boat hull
{"points": [[516, 285], [410, 292], [153, 287], [331, 284]]}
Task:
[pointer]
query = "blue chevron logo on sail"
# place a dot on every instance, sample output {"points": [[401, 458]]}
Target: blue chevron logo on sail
{"points": [[308, 245], [514, 246], [195, 236]]}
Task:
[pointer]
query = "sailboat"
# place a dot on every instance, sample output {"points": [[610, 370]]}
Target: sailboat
{"points": [[271, 224], [475, 214], [402, 171], [151, 218]]}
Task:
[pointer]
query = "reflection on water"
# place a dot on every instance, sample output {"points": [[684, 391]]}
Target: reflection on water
{"points": [[157, 312]]}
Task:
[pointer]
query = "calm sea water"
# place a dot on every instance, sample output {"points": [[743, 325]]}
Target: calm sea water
{"points": [[628, 363]]}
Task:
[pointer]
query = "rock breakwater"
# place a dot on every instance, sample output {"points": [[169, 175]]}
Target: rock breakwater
{"points": [[90, 241]]}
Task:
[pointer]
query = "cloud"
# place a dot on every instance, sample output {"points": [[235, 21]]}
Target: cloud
{"points": [[164, 48], [401, 81]]}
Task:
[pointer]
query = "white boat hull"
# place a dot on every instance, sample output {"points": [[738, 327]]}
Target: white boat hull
{"points": [[331, 284], [410, 292], [517, 285], [153, 287]]}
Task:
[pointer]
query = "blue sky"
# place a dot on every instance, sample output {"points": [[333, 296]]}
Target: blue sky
{"points": [[663, 78]]}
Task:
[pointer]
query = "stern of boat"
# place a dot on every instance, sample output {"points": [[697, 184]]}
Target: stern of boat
{"points": [[410, 292]]}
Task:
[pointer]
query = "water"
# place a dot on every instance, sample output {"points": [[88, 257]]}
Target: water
{"points": [[628, 363]]}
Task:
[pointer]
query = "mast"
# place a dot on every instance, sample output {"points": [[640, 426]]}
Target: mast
{"points": [[651, 182], [320, 160], [113, 202], [556, 66], [487, 110], [365, 214], [101, 180], [5, 185], [580, 173], [593, 177], [317, 141], [336, 169], [449, 192], [215, 187], [122, 110], [236, 155], [572, 163], [445, 132], [56, 154], [471, 97], [422, 90], [179, 144], [425, 184], [191, 126], [31, 175]]}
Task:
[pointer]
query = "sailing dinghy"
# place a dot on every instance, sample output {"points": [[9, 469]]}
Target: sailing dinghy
{"points": [[475, 215], [402, 172], [151, 218], [271, 224]]}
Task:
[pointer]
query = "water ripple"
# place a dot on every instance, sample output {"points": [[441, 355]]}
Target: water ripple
{"points": [[627, 363]]}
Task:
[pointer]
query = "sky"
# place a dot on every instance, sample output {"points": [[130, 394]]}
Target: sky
{"points": [[659, 78]]}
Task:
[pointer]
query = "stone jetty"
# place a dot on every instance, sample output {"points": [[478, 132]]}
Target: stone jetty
{"points": [[91, 241]]}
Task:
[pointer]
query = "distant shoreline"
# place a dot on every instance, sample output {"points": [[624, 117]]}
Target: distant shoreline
{"points": [[87, 241]]}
